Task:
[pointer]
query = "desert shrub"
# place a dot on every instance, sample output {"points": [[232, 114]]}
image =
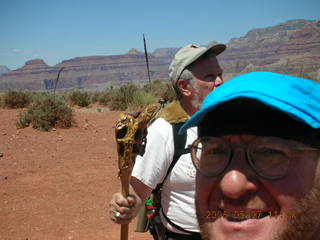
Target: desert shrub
{"points": [[79, 98], [45, 113], [161, 90], [140, 100], [95, 96], [34, 96], [122, 96], [168, 93], [132, 97], [16, 99], [105, 97], [1, 99], [63, 96]]}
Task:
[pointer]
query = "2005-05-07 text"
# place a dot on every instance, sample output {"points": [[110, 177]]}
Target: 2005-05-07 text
{"points": [[247, 214]]}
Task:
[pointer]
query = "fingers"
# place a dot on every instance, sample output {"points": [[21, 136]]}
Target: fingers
{"points": [[121, 209], [131, 201]]}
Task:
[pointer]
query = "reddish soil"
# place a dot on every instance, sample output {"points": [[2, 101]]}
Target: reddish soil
{"points": [[57, 184]]}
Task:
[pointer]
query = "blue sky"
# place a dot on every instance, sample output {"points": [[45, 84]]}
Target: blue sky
{"points": [[63, 29]]}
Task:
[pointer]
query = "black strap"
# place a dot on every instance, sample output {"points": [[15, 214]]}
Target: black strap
{"points": [[179, 144], [179, 149], [175, 225], [178, 236]]}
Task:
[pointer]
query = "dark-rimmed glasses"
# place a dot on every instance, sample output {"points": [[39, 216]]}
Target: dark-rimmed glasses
{"points": [[269, 157]]}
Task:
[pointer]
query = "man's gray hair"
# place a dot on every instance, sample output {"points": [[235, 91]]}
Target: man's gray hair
{"points": [[186, 75]]}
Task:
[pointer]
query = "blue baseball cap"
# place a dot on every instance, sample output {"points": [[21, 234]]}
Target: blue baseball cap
{"points": [[297, 98]]}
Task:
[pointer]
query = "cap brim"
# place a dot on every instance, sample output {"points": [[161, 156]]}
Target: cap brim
{"points": [[215, 48], [296, 97]]}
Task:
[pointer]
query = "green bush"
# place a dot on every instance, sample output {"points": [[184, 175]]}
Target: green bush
{"points": [[161, 89], [140, 100], [132, 97], [63, 96], [105, 97], [45, 113], [1, 99], [95, 97], [16, 99], [121, 97], [168, 93], [79, 98], [34, 96]]}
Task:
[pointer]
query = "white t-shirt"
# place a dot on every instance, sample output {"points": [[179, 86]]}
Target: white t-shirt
{"points": [[178, 191]]}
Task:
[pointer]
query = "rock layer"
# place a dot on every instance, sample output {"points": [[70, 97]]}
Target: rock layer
{"points": [[292, 47]]}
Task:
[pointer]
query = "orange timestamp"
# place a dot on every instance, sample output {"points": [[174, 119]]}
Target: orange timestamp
{"points": [[241, 214]]}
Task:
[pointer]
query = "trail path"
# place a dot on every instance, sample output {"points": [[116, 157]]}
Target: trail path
{"points": [[57, 184]]}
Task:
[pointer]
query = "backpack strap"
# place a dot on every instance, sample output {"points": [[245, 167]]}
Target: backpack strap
{"points": [[177, 226], [179, 149], [179, 143]]}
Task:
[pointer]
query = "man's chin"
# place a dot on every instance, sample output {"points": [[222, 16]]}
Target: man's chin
{"points": [[302, 224], [255, 229]]}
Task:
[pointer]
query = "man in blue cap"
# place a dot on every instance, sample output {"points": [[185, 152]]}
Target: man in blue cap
{"points": [[257, 159]]}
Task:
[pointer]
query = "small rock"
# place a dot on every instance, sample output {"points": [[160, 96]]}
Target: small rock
{"points": [[1, 155]]}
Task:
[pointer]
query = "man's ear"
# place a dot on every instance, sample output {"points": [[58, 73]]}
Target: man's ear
{"points": [[184, 87]]}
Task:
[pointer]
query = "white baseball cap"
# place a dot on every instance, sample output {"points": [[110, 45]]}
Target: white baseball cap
{"points": [[187, 55]]}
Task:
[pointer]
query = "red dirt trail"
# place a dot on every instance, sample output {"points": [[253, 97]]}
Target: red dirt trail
{"points": [[57, 184]]}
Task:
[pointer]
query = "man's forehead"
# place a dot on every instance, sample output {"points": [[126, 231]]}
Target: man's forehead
{"points": [[255, 119], [205, 65], [209, 57]]}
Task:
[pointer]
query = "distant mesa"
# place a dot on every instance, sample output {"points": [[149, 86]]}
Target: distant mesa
{"points": [[134, 51], [292, 47], [164, 52], [4, 69], [35, 64]]}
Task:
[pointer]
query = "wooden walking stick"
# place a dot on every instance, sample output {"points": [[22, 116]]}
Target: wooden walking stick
{"points": [[131, 131]]}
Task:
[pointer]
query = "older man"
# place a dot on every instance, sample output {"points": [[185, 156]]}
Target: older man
{"points": [[194, 72], [257, 159]]}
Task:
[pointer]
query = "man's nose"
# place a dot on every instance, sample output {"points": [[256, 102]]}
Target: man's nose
{"points": [[219, 81], [238, 181]]}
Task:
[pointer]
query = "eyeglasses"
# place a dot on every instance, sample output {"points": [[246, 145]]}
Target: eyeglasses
{"points": [[269, 157]]}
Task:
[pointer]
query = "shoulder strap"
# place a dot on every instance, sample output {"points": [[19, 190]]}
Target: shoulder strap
{"points": [[179, 143], [177, 226]]}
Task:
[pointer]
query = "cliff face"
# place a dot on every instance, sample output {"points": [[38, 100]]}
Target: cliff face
{"points": [[87, 72], [30, 76], [292, 47]]}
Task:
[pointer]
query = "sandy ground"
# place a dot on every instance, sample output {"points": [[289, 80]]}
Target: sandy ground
{"points": [[57, 184]]}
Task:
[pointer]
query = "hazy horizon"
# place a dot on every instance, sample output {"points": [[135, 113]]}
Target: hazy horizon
{"points": [[61, 30]]}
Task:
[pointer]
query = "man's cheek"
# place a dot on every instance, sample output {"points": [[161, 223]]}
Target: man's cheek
{"points": [[204, 199], [202, 214]]}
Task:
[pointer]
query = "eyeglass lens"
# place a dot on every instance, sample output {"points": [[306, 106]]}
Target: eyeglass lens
{"points": [[268, 156]]}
